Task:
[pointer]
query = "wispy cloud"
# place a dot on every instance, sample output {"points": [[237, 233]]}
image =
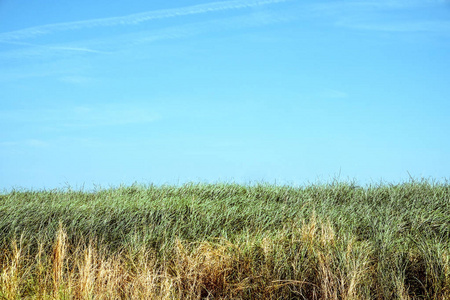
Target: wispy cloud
{"points": [[80, 116], [392, 26], [383, 15], [109, 115], [338, 7], [133, 19], [53, 47], [333, 94], [106, 42], [76, 49], [27, 50], [77, 79], [8, 144], [196, 28], [34, 143]]}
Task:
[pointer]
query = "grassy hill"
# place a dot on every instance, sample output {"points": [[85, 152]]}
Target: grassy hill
{"points": [[227, 241]]}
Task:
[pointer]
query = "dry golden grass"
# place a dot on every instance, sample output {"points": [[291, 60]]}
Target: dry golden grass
{"points": [[199, 270], [335, 246]]}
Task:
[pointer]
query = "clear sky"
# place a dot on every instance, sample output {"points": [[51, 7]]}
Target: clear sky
{"points": [[166, 92]]}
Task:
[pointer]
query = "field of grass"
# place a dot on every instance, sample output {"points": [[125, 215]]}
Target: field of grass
{"points": [[227, 241]]}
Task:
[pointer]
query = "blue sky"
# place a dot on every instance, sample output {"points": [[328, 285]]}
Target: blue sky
{"points": [[166, 92]]}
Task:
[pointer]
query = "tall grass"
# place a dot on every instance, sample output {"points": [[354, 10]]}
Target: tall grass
{"points": [[228, 241]]}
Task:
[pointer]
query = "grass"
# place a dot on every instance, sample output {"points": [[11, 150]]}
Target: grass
{"points": [[227, 241]]}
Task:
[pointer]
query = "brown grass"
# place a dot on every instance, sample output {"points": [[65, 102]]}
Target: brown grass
{"points": [[325, 266]]}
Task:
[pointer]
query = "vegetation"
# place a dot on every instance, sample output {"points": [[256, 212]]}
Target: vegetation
{"points": [[227, 241]]}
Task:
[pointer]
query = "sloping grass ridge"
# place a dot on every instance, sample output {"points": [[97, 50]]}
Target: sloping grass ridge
{"points": [[228, 241]]}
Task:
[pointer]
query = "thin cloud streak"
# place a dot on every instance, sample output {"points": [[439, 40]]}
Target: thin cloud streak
{"points": [[340, 7], [39, 47], [333, 94], [81, 117], [187, 30], [117, 43], [34, 143], [134, 19], [358, 15], [425, 26], [77, 49]]}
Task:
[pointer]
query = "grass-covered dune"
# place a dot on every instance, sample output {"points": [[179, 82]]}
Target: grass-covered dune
{"points": [[227, 241]]}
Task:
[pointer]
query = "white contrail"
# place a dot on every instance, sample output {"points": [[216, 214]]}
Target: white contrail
{"points": [[134, 18], [76, 49], [53, 47]]}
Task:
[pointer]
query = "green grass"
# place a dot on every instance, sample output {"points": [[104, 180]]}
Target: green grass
{"points": [[323, 241]]}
